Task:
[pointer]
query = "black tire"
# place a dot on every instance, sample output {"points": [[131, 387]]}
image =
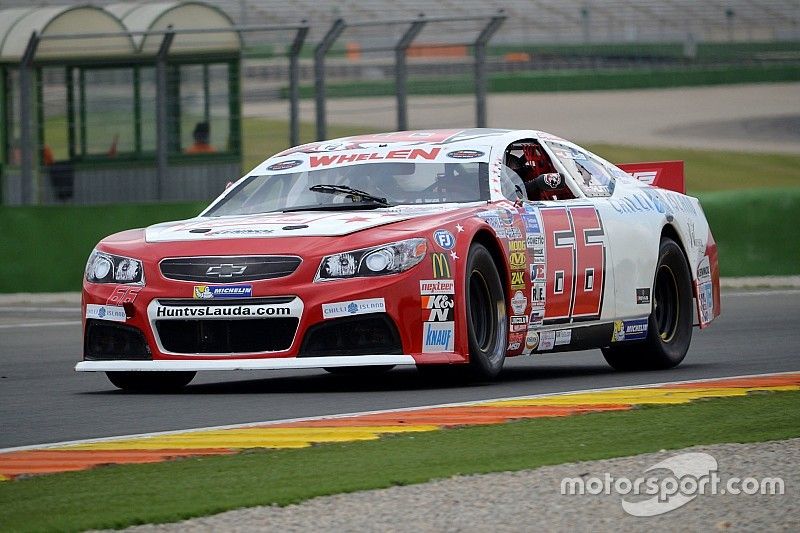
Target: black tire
{"points": [[669, 328], [487, 323], [150, 381], [358, 371]]}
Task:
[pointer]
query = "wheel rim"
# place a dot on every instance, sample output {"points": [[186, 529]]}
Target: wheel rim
{"points": [[481, 317], [665, 304]]}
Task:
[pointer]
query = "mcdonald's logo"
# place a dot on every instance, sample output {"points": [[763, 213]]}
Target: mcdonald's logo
{"points": [[441, 266]]}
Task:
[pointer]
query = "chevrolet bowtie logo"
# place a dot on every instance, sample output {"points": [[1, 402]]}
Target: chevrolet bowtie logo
{"points": [[226, 270]]}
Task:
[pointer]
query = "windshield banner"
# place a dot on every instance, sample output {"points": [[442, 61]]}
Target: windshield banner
{"points": [[301, 162]]}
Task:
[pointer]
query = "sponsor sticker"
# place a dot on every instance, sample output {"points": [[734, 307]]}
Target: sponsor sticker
{"points": [[353, 307], [704, 270], [643, 296], [440, 307], [532, 223], [285, 165], [517, 279], [441, 265], [547, 339], [519, 303], [444, 239], [537, 272], [114, 313], [518, 324], [531, 341], [438, 337], [537, 316], [513, 232], [629, 330], [537, 294], [563, 336], [706, 293], [517, 260], [464, 154], [208, 292], [436, 286]]}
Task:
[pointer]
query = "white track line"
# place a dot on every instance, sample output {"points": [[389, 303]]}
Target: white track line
{"points": [[381, 411], [772, 292], [41, 324], [73, 309]]}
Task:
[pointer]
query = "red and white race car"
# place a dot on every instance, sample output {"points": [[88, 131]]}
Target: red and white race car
{"points": [[427, 248]]}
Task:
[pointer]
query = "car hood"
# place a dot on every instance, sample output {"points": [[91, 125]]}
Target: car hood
{"points": [[300, 224]]}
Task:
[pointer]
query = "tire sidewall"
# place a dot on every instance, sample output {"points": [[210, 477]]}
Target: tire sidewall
{"points": [[486, 363]]}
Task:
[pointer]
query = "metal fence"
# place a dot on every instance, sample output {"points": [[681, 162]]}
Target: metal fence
{"points": [[61, 155]]}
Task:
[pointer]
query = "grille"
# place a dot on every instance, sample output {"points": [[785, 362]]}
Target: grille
{"points": [[227, 336], [229, 269], [104, 341], [371, 334]]}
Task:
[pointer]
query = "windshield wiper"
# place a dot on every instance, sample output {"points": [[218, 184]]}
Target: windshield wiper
{"points": [[354, 194]]}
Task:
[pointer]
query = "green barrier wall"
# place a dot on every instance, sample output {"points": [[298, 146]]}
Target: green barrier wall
{"points": [[44, 249]]}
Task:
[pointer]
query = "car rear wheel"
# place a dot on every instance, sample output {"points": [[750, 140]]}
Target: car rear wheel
{"points": [[487, 323], [669, 326], [150, 381]]}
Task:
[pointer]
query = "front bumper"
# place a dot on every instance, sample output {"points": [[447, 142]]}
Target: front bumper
{"points": [[244, 364]]}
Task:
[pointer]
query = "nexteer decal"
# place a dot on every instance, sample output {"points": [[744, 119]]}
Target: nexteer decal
{"points": [[208, 292], [339, 159], [436, 286], [576, 260], [354, 307]]}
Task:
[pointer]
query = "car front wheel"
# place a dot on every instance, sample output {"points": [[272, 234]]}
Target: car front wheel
{"points": [[487, 324]]}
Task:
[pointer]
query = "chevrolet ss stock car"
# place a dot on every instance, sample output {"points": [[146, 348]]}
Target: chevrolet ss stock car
{"points": [[444, 249]]}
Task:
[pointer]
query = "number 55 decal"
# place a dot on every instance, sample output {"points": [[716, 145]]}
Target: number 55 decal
{"points": [[576, 261]]}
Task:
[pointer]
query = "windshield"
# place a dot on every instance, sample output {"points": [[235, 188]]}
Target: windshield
{"points": [[429, 182]]}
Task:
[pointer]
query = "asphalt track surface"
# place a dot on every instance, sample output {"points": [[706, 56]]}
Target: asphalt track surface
{"points": [[43, 400]]}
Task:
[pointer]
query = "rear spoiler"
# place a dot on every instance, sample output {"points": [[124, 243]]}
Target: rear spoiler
{"points": [[663, 174]]}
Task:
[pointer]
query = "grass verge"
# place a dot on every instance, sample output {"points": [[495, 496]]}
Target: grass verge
{"points": [[566, 80], [120, 496]]}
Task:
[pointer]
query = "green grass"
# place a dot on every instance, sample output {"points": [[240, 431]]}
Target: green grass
{"points": [[567, 80], [120, 496], [715, 170], [756, 230]]}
